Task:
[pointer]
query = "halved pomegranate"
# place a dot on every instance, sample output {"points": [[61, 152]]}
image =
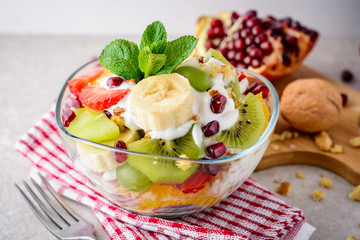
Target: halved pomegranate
{"points": [[272, 47]]}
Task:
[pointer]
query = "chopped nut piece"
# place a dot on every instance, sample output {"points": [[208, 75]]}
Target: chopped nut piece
{"points": [[336, 149], [318, 195], [284, 189], [213, 93], [355, 142], [326, 182], [119, 110], [304, 185], [118, 120], [299, 175], [350, 238], [323, 141], [274, 147], [277, 180], [195, 118], [355, 194]]}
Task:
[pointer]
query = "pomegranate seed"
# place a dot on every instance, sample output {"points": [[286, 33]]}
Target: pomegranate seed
{"points": [[231, 45], [256, 30], [270, 18], [113, 82], [286, 59], [255, 53], [344, 98], [296, 25], [68, 116], [209, 45], [313, 35], [291, 40], [249, 40], [347, 76], [231, 55], [211, 169], [252, 22], [261, 89], [224, 51], [217, 103], [250, 14], [216, 23], [260, 38], [266, 47], [255, 63], [211, 128], [287, 21], [235, 15], [276, 32], [211, 34], [232, 62], [247, 60], [119, 156], [236, 35], [218, 32], [241, 76], [239, 44], [239, 56], [245, 32], [216, 150], [108, 114]]}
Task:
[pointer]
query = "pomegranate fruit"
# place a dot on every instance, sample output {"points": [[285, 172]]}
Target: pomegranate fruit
{"points": [[272, 47]]}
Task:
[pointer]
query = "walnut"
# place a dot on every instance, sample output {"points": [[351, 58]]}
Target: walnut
{"points": [[355, 142], [284, 189], [213, 93], [355, 194], [118, 111], [326, 182], [318, 195], [323, 141], [118, 120], [337, 149], [299, 175]]}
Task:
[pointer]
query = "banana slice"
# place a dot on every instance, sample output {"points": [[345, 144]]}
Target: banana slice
{"points": [[162, 102], [100, 160]]}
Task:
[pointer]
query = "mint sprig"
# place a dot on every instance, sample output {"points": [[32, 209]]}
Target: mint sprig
{"points": [[154, 57]]}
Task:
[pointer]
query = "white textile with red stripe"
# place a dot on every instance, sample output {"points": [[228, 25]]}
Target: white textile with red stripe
{"points": [[251, 212]]}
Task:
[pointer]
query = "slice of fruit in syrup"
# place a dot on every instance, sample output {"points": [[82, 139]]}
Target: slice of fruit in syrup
{"points": [[247, 130]]}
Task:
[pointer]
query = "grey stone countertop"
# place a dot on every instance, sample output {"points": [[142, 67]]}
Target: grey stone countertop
{"points": [[32, 71]]}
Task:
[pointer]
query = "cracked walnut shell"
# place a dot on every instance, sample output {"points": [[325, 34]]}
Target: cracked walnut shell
{"points": [[311, 105]]}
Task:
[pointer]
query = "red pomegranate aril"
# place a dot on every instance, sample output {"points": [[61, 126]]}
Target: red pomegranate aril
{"points": [[209, 45], [249, 40], [266, 47], [211, 33], [239, 56], [231, 55], [245, 32], [276, 32], [247, 60], [235, 35], [242, 65], [291, 40], [241, 76], [296, 25], [285, 59], [211, 128], [255, 63], [252, 22], [231, 45], [224, 51], [233, 62], [107, 113], [234, 15], [257, 30], [255, 53], [119, 156], [219, 32], [252, 87], [68, 116], [211, 169], [261, 89], [218, 103], [216, 23], [260, 38], [313, 35], [216, 150], [287, 21], [114, 82], [250, 14], [239, 44]]}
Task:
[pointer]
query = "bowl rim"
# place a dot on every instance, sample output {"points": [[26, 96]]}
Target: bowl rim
{"points": [[266, 134]]}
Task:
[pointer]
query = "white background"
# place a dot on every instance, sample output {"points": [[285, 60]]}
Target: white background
{"points": [[331, 17]]}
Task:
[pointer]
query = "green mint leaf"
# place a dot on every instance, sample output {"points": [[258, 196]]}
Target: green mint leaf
{"points": [[150, 63], [177, 51], [121, 57], [155, 36]]}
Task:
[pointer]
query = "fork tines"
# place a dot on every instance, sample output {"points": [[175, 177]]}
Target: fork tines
{"points": [[54, 213]]}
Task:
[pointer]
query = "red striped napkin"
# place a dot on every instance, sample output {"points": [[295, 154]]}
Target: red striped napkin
{"points": [[251, 212]]}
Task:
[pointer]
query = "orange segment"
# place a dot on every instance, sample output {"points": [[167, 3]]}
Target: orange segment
{"points": [[265, 109]]}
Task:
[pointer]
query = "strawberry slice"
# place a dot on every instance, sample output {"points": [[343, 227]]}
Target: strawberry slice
{"points": [[99, 98], [195, 182], [77, 84]]}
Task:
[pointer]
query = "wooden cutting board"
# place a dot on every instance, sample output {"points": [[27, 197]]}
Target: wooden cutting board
{"points": [[302, 150]]}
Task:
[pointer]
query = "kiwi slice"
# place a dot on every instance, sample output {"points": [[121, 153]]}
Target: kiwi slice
{"points": [[162, 170], [217, 55], [247, 130], [235, 90], [132, 179], [94, 126]]}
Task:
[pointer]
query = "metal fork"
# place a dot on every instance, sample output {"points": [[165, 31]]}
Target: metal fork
{"points": [[60, 220]]}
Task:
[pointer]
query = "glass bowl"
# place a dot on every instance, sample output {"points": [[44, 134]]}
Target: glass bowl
{"points": [[97, 162]]}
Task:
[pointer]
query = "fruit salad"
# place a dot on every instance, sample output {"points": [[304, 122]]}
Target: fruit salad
{"points": [[163, 126]]}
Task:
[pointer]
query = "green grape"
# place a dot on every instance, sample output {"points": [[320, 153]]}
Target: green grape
{"points": [[198, 79]]}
